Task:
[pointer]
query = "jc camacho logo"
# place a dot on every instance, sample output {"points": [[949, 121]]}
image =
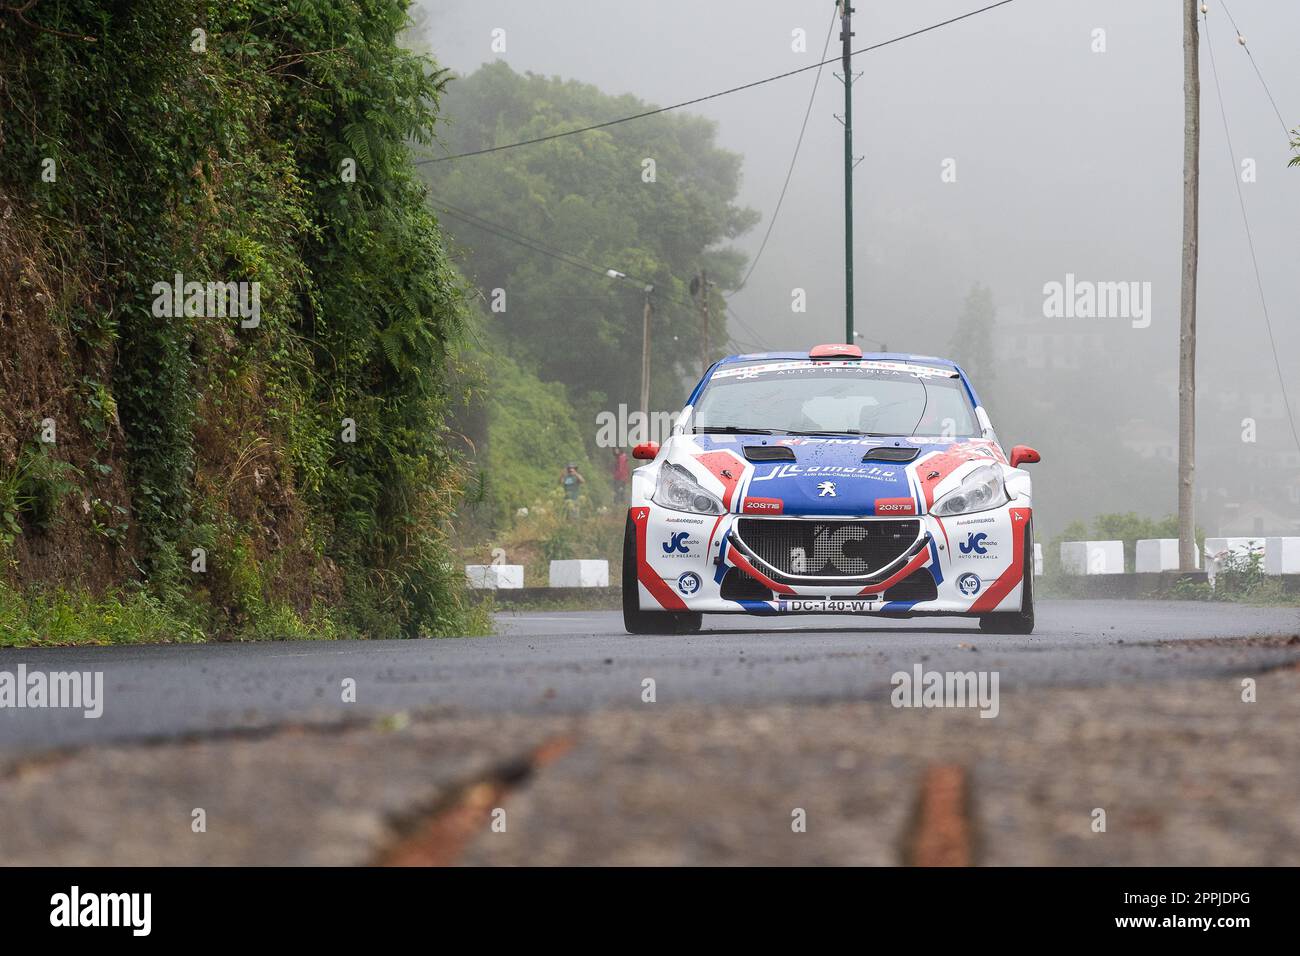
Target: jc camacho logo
{"points": [[677, 543]]}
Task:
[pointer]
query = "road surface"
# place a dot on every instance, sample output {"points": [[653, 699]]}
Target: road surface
{"points": [[572, 662], [550, 718]]}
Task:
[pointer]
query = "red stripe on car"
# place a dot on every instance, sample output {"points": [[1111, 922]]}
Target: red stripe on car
{"points": [[1012, 576], [660, 591], [738, 559], [917, 560], [727, 467]]}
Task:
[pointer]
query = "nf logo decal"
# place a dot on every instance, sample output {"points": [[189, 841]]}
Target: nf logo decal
{"points": [[678, 543], [969, 584], [826, 489], [688, 583], [974, 542]]}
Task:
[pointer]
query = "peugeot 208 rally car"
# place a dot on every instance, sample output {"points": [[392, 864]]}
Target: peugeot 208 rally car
{"points": [[830, 482]]}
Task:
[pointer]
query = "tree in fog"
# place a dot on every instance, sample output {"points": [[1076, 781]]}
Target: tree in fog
{"points": [[972, 343], [654, 198]]}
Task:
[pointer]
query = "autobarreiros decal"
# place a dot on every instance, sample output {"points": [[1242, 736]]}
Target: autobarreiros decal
{"points": [[779, 368]]}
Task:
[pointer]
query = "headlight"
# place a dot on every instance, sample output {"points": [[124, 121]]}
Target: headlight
{"points": [[981, 490], [678, 489]]}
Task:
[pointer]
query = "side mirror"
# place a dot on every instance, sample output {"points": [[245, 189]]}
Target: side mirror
{"points": [[1023, 455], [648, 451]]}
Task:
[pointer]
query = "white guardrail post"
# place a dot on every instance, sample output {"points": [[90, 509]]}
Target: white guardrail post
{"points": [[1282, 555], [1159, 554], [1092, 557], [494, 577], [579, 574]]}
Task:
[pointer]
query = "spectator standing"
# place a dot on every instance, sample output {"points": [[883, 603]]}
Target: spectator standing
{"points": [[621, 476], [573, 481]]}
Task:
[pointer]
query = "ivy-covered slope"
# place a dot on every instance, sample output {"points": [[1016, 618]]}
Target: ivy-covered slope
{"points": [[268, 474]]}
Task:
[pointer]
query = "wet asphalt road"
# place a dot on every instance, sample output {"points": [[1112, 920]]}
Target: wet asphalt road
{"points": [[571, 662]]}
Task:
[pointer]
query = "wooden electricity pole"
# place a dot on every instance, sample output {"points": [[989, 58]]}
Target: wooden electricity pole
{"points": [[700, 290], [1187, 324]]}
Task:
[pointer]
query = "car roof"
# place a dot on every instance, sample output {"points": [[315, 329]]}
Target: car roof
{"points": [[930, 360], [866, 357]]}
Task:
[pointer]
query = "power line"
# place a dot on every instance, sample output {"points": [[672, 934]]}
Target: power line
{"points": [[569, 258], [745, 325], [1241, 39], [1250, 241], [711, 96], [512, 235], [495, 231], [771, 223]]}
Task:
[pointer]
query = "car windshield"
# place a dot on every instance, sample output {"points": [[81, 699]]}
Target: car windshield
{"points": [[838, 398]]}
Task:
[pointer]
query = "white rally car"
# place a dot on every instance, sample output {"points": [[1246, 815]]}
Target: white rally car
{"points": [[830, 482]]}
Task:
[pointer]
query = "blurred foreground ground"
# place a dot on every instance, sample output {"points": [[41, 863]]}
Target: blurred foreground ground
{"points": [[1186, 773]]}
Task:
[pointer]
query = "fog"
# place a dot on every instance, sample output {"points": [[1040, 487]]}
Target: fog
{"points": [[1067, 161]]}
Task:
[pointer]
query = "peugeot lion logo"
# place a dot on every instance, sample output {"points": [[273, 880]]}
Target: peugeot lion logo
{"points": [[826, 489]]}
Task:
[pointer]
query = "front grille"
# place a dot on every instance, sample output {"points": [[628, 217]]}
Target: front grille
{"points": [[806, 548], [917, 586], [739, 586]]}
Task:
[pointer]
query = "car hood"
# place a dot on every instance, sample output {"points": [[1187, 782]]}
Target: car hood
{"points": [[829, 476]]}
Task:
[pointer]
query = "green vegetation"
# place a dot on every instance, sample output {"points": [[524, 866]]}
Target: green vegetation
{"points": [[271, 149], [531, 436], [568, 343], [34, 617]]}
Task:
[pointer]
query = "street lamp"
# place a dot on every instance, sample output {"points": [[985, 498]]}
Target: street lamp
{"points": [[645, 340]]}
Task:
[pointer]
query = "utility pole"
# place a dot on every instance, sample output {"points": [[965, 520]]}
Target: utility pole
{"points": [[846, 39], [1187, 323], [645, 351], [700, 291]]}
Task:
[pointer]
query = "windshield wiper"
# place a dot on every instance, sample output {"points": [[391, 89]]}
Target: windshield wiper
{"points": [[731, 430], [848, 431]]}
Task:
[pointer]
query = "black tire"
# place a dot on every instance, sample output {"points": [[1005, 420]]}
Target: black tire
{"points": [[1022, 621], [637, 621]]}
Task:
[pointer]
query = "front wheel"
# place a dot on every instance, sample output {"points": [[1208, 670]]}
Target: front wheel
{"points": [[1022, 621], [637, 621]]}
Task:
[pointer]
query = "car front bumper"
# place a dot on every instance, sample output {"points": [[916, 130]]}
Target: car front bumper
{"points": [[970, 564]]}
